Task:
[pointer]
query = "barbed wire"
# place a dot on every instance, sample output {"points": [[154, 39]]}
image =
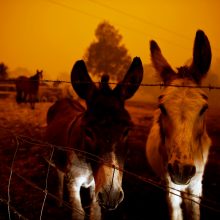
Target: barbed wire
{"points": [[20, 216], [196, 199], [29, 182], [98, 159], [10, 176], [160, 185], [45, 189], [129, 28], [160, 85], [93, 157]]}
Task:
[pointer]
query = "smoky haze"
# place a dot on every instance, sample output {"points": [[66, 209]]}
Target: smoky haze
{"points": [[147, 93], [150, 94]]}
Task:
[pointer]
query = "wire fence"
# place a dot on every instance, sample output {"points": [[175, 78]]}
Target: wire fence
{"points": [[160, 85], [21, 139]]}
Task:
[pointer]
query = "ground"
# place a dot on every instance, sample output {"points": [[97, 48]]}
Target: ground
{"points": [[21, 129]]}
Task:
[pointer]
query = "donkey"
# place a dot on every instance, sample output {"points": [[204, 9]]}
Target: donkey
{"points": [[28, 87], [178, 144], [96, 137]]}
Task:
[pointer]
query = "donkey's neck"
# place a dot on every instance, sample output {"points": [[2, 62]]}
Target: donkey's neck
{"points": [[35, 77]]}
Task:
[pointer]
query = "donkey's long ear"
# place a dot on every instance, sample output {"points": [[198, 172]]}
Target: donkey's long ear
{"points": [[132, 80], [160, 64], [202, 56], [81, 81]]}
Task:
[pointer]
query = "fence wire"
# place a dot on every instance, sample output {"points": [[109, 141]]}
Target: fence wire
{"points": [[160, 85], [25, 139]]}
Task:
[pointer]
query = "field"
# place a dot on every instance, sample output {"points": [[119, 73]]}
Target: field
{"points": [[20, 130]]}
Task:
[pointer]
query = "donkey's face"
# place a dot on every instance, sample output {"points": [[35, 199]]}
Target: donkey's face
{"points": [[182, 110], [105, 127]]}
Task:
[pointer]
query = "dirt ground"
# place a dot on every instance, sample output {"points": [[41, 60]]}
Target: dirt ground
{"points": [[21, 128]]}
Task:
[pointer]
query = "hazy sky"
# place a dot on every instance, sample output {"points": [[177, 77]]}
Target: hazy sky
{"points": [[53, 34]]}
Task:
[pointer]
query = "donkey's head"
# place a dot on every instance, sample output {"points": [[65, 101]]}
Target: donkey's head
{"points": [[182, 110], [105, 127], [39, 74]]}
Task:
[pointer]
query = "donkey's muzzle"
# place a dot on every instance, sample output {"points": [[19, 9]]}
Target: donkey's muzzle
{"points": [[181, 174], [110, 199]]}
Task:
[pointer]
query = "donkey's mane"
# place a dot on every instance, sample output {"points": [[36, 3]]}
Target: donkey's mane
{"points": [[183, 72], [104, 84], [35, 76]]}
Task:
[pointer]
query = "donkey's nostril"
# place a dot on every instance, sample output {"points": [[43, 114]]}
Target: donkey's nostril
{"points": [[189, 170], [193, 171], [170, 168], [100, 197]]}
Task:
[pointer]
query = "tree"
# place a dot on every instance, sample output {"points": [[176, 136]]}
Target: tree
{"points": [[106, 55], [3, 71]]}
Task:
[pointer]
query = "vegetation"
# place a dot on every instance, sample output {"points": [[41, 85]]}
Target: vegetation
{"points": [[3, 71], [106, 55]]}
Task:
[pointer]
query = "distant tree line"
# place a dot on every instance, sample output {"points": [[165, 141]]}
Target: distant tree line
{"points": [[3, 71], [107, 55]]}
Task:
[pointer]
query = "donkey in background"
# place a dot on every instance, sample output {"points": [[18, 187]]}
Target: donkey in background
{"points": [[27, 88], [178, 144], [96, 136]]}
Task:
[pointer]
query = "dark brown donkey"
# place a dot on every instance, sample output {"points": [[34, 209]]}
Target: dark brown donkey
{"points": [[27, 88], [96, 137]]}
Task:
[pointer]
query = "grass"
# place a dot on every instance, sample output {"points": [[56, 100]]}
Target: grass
{"points": [[141, 201]]}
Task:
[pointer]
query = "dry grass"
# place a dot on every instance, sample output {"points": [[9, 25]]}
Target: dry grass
{"points": [[141, 199]]}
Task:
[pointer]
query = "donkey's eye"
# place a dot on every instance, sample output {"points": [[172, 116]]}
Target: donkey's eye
{"points": [[162, 109], [89, 133], [203, 110], [125, 133]]}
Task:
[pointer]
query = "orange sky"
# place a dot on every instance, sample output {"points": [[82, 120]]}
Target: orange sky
{"points": [[53, 34]]}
